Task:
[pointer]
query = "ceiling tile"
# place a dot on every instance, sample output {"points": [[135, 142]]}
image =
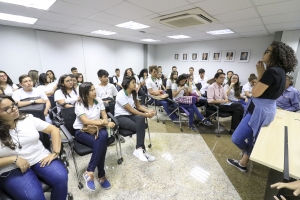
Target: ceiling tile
{"points": [[210, 27], [198, 34], [81, 28], [284, 26], [208, 37], [92, 24], [249, 29], [51, 16], [46, 28], [216, 7], [9, 23], [244, 23], [237, 15], [153, 30], [194, 1], [254, 33], [178, 9], [148, 20], [289, 17], [43, 22], [159, 5], [20, 10], [264, 2], [73, 10], [108, 19], [166, 28], [233, 35], [279, 8], [128, 10], [100, 5]]}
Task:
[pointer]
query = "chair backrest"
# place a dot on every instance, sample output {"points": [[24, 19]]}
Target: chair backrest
{"points": [[164, 82], [111, 80], [51, 99], [68, 115], [199, 86], [169, 92]]}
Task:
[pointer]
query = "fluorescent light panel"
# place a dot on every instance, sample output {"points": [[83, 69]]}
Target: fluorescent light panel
{"points": [[17, 18], [38, 4], [179, 36], [150, 40], [132, 25], [220, 32], [104, 32]]}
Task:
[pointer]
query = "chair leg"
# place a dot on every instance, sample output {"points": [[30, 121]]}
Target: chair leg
{"points": [[80, 185], [156, 111], [218, 119], [164, 119], [150, 145], [118, 143]]}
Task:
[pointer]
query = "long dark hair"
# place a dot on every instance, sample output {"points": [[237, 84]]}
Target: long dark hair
{"points": [[211, 81], [180, 78], [252, 77], [125, 85], [61, 87], [54, 77], [5, 137], [125, 73], [43, 79], [34, 75], [236, 88], [77, 76], [84, 90], [8, 81], [141, 75], [172, 74]]}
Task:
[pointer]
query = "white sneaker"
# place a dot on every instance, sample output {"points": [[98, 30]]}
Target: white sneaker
{"points": [[139, 153], [149, 157]]}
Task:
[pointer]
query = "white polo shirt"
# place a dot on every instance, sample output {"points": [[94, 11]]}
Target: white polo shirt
{"points": [[122, 100], [92, 112], [176, 88], [120, 79], [247, 87], [20, 94], [152, 84], [26, 133], [58, 95], [47, 88], [202, 81], [231, 96], [9, 90], [106, 91]]}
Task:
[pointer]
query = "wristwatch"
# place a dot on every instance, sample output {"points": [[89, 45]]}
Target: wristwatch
{"points": [[32, 101]]}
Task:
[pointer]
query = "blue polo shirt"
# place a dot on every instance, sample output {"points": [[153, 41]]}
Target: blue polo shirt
{"points": [[289, 100]]}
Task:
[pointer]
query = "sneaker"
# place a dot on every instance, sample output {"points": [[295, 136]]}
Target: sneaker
{"points": [[193, 128], [122, 140], [206, 122], [236, 163], [105, 184], [89, 181], [149, 157], [139, 153]]}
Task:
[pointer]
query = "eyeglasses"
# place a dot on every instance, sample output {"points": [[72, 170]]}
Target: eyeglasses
{"points": [[268, 51], [3, 76], [9, 109], [222, 77]]}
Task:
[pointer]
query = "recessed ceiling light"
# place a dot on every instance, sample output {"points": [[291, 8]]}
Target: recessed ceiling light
{"points": [[220, 32], [17, 18], [179, 36], [150, 40], [104, 32], [38, 4], [132, 25]]}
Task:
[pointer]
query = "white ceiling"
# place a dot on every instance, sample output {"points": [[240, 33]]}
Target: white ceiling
{"points": [[247, 18]]}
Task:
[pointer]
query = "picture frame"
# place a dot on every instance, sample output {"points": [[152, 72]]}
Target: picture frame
{"points": [[229, 56], [194, 56], [185, 57], [176, 56], [216, 56], [204, 56], [244, 56]]}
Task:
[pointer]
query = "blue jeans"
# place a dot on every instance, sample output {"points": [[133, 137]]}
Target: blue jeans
{"points": [[26, 185], [192, 109], [166, 107], [242, 102], [99, 147], [243, 132]]}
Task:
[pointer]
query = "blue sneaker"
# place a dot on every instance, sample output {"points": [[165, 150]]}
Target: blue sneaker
{"points": [[105, 184], [89, 181]]}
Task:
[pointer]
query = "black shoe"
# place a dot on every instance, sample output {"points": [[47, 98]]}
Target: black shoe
{"points": [[236, 164]]}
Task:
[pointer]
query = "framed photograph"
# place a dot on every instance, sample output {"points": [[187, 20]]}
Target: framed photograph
{"points": [[229, 56], [176, 56], [185, 57], [194, 56], [217, 56], [244, 56], [205, 56]]}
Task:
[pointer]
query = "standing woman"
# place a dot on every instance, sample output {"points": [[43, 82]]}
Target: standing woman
{"points": [[79, 79], [23, 157], [172, 79], [34, 75], [232, 89], [45, 84], [65, 95], [6, 83], [279, 59], [88, 110], [52, 77], [247, 88]]}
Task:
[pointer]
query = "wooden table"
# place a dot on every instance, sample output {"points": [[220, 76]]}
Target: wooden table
{"points": [[269, 146]]}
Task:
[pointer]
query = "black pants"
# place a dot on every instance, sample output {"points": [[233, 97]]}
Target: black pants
{"points": [[143, 96], [135, 123], [236, 110]]}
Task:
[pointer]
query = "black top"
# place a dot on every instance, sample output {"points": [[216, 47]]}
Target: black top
{"points": [[274, 77]]}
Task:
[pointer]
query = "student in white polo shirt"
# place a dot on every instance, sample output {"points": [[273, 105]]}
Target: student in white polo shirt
{"points": [[88, 109], [28, 91], [118, 79], [202, 78], [105, 90], [46, 85], [6, 83], [127, 111], [65, 95]]}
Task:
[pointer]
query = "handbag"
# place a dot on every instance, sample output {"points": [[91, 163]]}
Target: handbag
{"points": [[160, 97], [186, 100], [91, 129]]}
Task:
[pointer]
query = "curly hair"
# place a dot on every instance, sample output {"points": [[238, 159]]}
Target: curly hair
{"points": [[282, 56], [236, 88], [61, 87]]}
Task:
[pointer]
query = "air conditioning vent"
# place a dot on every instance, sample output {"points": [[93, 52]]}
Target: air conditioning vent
{"points": [[188, 18]]}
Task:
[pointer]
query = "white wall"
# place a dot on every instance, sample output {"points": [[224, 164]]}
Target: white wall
{"points": [[151, 55], [164, 55]]}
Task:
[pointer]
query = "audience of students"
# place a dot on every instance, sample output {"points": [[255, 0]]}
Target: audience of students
{"points": [[6, 84], [172, 79], [46, 85], [174, 68], [247, 88]]}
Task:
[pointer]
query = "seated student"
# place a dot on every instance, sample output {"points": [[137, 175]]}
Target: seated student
{"points": [[220, 70], [160, 82], [131, 116], [171, 80], [193, 91], [290, 98], [34, 75], [178, 91], [143, 76], [24, 159], [217, 95], [204, 87], [88, 109], [174, 68], [52, 76], [1, 91], [65, 95], [232, 90], [6, 83], [247, 88], [79, 79], [229, 74], [202, 78], [162, 74], [28, 91], [117, 79], [75, 83], [74, 70], [105, 90], [152, 87], [45, 84]]}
